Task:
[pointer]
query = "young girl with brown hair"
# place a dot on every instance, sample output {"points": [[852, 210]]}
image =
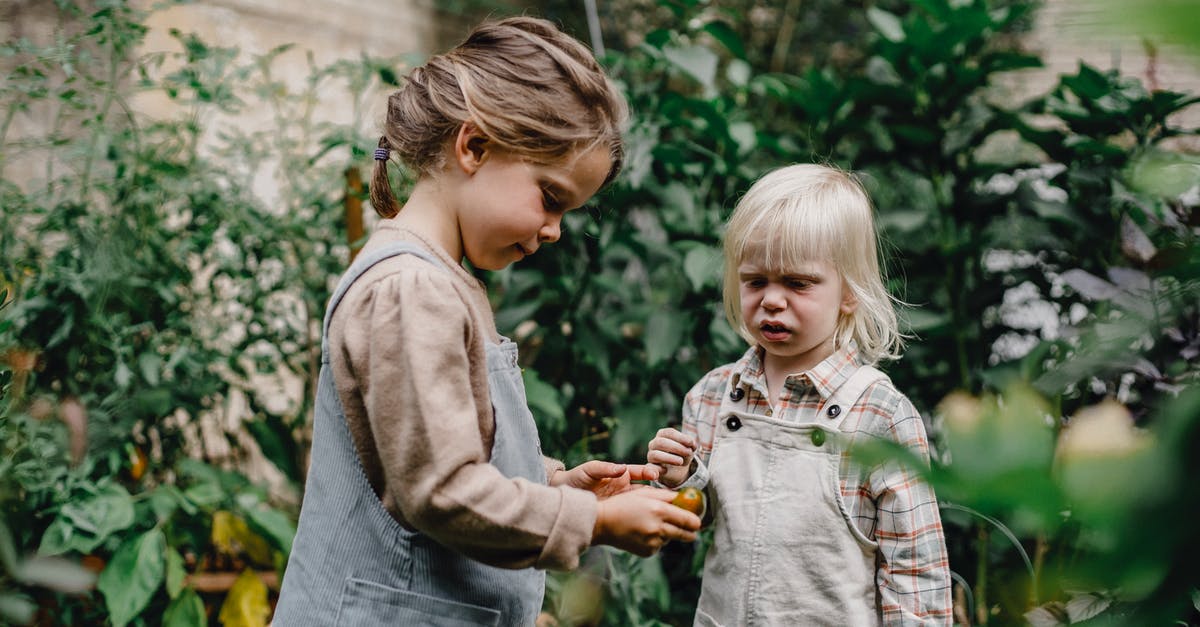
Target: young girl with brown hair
{"points": [[428, 500]]}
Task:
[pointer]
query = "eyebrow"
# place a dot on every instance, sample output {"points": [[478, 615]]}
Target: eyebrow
{"points": [[808, 276]]}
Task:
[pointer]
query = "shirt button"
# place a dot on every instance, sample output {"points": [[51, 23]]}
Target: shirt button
{"points": [[737, 393], [818, 437], [833, 411], [733, 422]]}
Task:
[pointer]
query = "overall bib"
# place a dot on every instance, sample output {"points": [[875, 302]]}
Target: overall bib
{"points": [[785, 552], [353, 564]]}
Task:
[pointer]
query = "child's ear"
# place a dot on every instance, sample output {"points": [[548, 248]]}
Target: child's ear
{"points": [[471, 148], [849, 300]]}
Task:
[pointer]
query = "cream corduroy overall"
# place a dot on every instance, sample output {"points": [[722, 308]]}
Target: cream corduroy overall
{"points": [[784, 550]]}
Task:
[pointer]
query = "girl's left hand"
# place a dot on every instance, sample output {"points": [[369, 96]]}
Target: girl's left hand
{"points": [[605, 479]]}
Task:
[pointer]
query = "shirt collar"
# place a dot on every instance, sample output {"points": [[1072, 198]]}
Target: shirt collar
{"points": [[749, 369], [455, 266], [832, 372], [826, 377]]}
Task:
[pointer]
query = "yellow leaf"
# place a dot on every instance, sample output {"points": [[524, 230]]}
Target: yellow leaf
{"points": [[232, 536], [246, 604]]}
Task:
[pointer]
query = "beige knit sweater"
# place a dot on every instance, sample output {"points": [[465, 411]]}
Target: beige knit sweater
{"points": [[408, 357]]}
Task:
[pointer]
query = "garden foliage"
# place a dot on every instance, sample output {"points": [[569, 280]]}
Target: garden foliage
{"points": [[147, 291]]}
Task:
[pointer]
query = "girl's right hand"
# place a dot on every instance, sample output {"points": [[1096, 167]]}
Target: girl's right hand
{"points": [[671, 451], [641, 521]]}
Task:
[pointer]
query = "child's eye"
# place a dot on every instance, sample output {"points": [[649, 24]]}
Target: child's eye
{"points": [[756, 282], [549, 202], [798, 284]]}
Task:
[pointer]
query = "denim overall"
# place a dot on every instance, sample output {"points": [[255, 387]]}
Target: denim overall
{"points": [[785, 552], [353, 564]]}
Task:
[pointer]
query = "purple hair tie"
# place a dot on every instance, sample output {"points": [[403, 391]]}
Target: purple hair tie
{"points": [[381, 154]]}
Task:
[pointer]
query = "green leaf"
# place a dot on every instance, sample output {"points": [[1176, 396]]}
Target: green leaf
{"points": [[920, 320], [275, 440], [702, 265], [123, 375], [133, 576], [8, 550], [111, 509], [165, 499], [697, 61], [664, 331], [61, 537], [635, 426], [745, 135], [728, 37], [881, 72], [205, 494], [175, 573], [83, 525], [16, 608], [545, 401], [187, 610], [150, 365], [508, 318], [738, 72], [272, 524], [887, 24]]}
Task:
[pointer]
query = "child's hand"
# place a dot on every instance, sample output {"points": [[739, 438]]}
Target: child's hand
{"points": [[605, 479], [642, 521], [671, 451]]}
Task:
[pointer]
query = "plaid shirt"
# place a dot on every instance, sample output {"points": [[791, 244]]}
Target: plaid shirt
{"points": [[890, 504]]}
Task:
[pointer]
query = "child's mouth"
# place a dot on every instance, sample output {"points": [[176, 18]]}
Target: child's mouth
{"points": [[774, 332]]}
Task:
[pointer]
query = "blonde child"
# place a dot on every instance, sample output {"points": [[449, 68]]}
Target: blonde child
{"points": [[802, 534], [428, 501]]}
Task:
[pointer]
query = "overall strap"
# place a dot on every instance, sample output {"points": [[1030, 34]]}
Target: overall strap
{"points": [[839, 403], [361, 265]]}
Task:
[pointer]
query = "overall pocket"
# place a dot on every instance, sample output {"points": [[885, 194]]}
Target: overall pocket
{"points": [[369, 603]]}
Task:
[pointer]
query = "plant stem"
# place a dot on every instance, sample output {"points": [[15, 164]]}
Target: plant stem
{"points": [[110, 96], [1039, 560], [981, 575], [783, 39]]}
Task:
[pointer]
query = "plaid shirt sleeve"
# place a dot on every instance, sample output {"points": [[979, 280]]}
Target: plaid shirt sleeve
{"points": [[914, 570], [700, 407]]}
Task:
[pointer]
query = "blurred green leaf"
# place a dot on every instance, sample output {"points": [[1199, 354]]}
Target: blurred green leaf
{"points": [[186, 610], [696, 61], [887, 24], [133, 576]]}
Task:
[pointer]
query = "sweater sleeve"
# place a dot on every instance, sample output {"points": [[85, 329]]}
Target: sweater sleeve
{"points": [[414, 345]]}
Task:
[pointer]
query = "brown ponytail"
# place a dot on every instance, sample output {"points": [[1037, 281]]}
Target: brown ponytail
{"points": [[381, 188]]}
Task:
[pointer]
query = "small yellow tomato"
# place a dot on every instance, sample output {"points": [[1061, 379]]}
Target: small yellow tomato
{"points": [[691, 499]]}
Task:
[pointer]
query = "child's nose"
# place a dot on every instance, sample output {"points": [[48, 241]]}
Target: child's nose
{"points": [[773, 300], [550, 231]]}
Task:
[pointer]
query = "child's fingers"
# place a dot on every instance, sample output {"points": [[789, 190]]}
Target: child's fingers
{"points": [[670, 447], [658, 494], [599, 469], [667, 452], [680, 534], [675, 435], [644, 472], [682, 519]]}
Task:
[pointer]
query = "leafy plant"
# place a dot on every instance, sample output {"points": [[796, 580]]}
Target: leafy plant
{"points": [[146, 291]]}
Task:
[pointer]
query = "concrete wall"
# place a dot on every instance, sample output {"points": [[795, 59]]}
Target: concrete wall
{"points": [[1067, 32]]}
